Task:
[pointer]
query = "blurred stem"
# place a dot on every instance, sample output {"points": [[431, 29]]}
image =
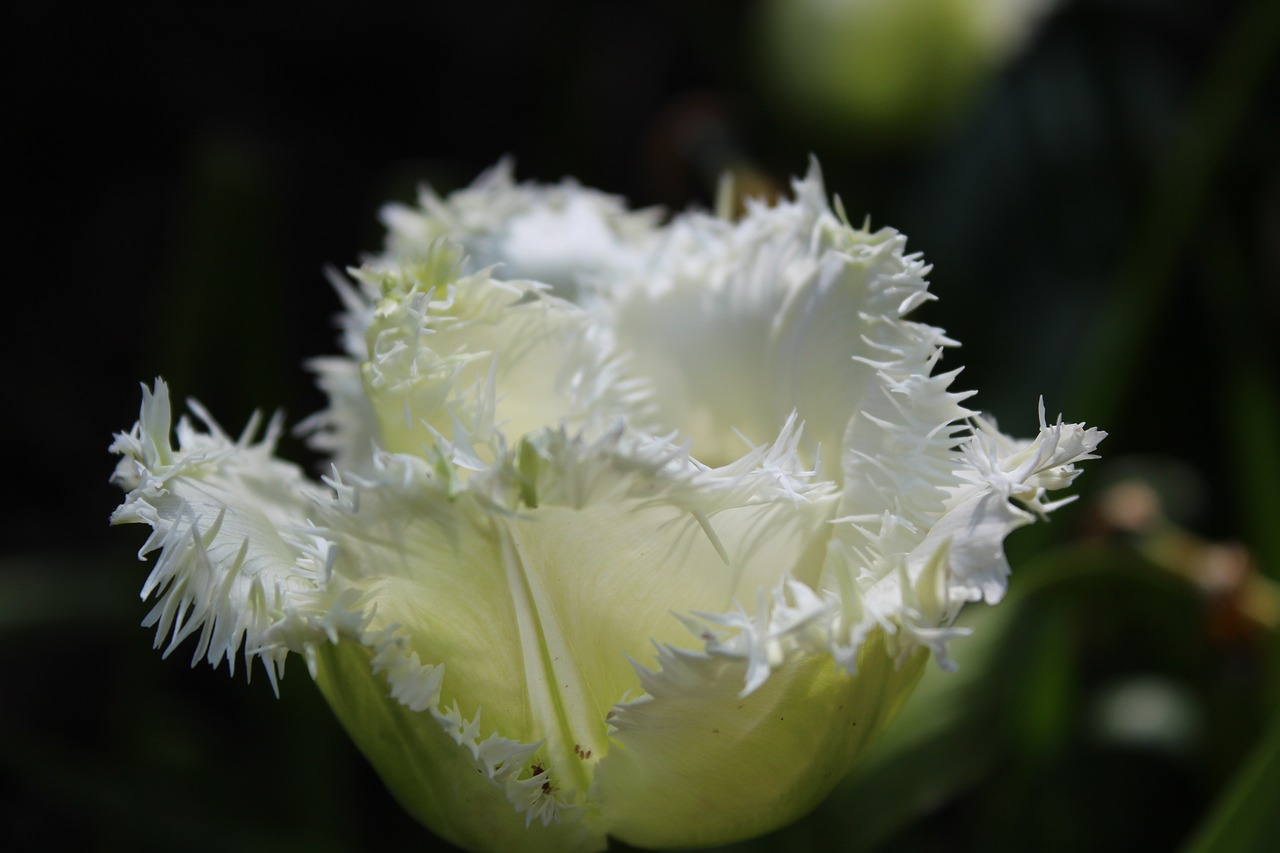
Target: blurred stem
{"points": [[1245, 818], [1253, 412], [1224, 573], [1122, 331], [1249, 404]]}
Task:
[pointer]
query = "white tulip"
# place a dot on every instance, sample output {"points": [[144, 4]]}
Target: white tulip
{"points": [[655, 564]]}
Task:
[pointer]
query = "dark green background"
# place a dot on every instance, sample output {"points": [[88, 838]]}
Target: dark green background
{"points": [[1104, 220]]}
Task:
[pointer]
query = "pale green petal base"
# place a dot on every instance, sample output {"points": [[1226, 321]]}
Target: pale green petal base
{"points": [[691, 768], [428, 773], [685, 768]]}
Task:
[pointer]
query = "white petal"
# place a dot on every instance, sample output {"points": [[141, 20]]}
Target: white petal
{"points": [[563, 235], [347, 429], [230, 521], [995, 475], [735, 326], [944, 512]]}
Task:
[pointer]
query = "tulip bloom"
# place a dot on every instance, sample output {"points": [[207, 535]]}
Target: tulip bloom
{"points": [[632, 529]]}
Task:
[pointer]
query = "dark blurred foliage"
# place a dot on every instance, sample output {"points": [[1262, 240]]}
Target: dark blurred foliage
{"points": [[1103, 214]]}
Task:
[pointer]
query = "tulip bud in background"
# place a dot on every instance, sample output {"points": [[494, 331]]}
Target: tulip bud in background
{"points": [[895, 67], [633, 530]]}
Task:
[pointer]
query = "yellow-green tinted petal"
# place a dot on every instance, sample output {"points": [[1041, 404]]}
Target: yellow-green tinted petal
{"points": [[435, 779], [695, 764], [538, 608], [460, 365]]}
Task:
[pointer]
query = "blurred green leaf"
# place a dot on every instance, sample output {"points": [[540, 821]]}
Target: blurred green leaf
{"points": [[1246, 818], [1105, 370]]}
